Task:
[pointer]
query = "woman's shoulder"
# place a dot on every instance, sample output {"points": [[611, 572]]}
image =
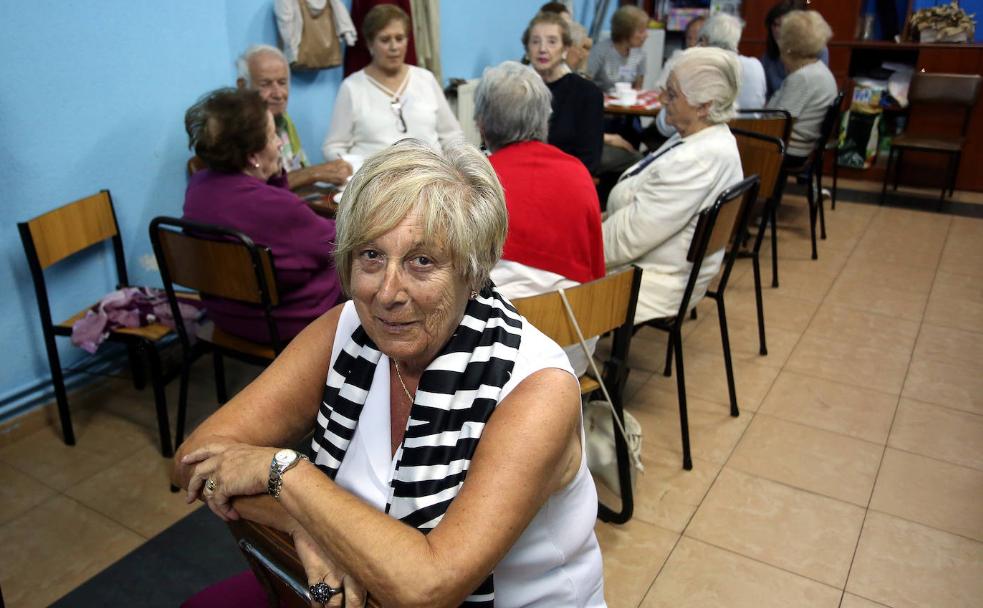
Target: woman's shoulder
{"points": [[575, 84]]}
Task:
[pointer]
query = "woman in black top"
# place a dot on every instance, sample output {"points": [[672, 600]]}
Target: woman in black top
{"points": [[577, 123]]}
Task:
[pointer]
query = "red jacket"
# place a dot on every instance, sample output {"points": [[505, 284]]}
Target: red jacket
{"points": [[554, 215]]}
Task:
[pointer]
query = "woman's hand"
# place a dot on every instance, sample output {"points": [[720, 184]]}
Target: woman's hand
{"points": [[224, 470], [613, 139], [320, 569], [335, 172]]}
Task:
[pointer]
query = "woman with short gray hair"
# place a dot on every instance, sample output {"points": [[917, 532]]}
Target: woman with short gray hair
{"points": [[447, 438], [654, 207], [554, 236], [724, 31], [809, 88]]}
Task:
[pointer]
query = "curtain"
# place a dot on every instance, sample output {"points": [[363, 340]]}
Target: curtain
{"points": [[426, 31]]}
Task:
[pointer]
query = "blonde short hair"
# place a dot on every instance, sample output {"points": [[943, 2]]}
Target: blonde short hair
{"points": [[626, 20], [707, 75], [803, 35], [456, 193]]}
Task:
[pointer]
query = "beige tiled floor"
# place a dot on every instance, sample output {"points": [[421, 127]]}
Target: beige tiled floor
{"points": [[852, 478]]}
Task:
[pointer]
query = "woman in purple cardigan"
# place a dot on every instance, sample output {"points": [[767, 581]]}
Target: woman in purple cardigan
{"points": [[244, 187]]}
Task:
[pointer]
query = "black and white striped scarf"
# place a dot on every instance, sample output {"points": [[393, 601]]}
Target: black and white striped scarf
{"points": [[456, 395]]}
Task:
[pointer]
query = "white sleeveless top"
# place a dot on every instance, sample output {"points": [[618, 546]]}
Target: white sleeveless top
{"points": [[556, 561]]}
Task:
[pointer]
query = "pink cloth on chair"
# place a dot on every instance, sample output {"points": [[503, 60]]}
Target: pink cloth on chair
{"points": [[129, 307], [240, 591]]}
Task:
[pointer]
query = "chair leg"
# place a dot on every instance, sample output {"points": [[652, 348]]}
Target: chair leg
{"points": [[819, 202], [136, 367], [897, 168], [954, 175], [836, 174], [759, 301], [160, 400], [221, 391], [728, 364], [692, 313], [668, 370], [182, 402], [58, 383], [774, 248], [812, 220], [676, 338], [887, 174]]}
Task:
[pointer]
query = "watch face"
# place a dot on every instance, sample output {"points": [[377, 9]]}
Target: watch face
{"points": [[285, 457]]}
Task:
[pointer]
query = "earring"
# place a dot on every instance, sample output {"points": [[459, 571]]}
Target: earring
{"points": [[256, 165], [474, 294]]}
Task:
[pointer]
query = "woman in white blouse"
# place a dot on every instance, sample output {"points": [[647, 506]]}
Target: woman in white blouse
{"points": [[652, 211], [388, 100]]}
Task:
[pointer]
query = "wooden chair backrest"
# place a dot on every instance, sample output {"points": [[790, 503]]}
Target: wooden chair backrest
{"points": [[221, 268], [71, 228], [599, 307], [956, 89], [767, 122], [761, 155], [724, 225]]}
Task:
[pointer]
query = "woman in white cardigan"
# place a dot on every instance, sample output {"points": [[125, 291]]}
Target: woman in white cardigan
{"points": [[653, 208], [388, 100]]}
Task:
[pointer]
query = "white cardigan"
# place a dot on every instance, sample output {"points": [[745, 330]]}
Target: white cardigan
{"points": [[364, 122], [652, 216]]}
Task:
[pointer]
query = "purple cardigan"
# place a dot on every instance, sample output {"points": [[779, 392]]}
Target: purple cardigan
{"points": [[302, 243]]}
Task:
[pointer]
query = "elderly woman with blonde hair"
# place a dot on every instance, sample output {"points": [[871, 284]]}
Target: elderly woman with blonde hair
{"points": [[447, 447], [653, 208], [809, 88]]}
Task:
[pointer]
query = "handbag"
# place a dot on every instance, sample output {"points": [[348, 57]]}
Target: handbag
{"points": [[600, 418]]}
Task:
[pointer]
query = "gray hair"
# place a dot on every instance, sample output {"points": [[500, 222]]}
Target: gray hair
{"points": [[242, 62], [512, 104], [708, 75], [456, 194], [577, 34], [722, 31]]}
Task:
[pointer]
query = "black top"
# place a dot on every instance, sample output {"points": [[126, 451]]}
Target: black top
{"points": [[577, 124]]}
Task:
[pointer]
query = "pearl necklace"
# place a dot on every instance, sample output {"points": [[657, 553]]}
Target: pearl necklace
{"points": [[401, 383]]}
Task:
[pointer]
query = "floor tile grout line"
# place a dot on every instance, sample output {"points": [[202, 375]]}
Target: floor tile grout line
{"points": [[929, 526], [935, 459], [770, 565], [795, 487], [897, 407]]}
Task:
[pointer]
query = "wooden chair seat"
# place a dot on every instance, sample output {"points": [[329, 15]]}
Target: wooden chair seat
{"points": [[152, 332], [933, 144], [588, 385], [208, 332]]}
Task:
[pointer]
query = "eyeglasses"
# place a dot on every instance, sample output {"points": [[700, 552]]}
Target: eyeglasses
{"points": [[397, 108]]}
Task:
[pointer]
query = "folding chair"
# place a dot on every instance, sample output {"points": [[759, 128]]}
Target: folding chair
{"points": [[722, 226], [601, 306], [762, 155], [59, 234], [223, 263]]}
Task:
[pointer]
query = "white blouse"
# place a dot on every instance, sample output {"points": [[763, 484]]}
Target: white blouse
{"points": [[365, 121]]}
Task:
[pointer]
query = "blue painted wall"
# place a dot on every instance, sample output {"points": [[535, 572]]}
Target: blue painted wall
{"points": [[93, 97]]}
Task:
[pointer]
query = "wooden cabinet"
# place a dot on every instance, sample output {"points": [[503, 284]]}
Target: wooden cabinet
{"points": [[849, 57]]}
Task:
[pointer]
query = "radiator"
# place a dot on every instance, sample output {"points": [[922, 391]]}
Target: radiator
{"points": [[465, 111]]}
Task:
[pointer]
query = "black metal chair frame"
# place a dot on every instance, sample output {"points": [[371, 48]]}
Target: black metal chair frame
{"points": [[768, 211], [773, 216], [135, 344], [896, 152], [812, 173], [615, 377], [261, 258], [741, 193]]}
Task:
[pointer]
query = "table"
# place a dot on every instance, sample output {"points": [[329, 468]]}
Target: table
{"points": [[320, 200], [647, 105]]}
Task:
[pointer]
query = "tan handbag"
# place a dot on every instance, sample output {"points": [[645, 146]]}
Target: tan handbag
{"points": [[319, 46]]}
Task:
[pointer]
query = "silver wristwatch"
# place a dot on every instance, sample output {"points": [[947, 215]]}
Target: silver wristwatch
{"points": [[283, 461]]}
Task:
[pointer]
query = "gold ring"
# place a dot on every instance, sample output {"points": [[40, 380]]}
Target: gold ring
{"points": [[210, 485]]}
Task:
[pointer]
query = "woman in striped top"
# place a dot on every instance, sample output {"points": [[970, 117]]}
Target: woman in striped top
{"points": [[447, 461]]}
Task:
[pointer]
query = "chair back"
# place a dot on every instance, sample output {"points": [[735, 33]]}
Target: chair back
{"points": [[723, 225], [216, 261], [774, 122], [955, 89], [762, 155], [599, 306], [53, 236]]}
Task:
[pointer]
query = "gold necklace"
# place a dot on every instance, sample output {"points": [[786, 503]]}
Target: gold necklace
{"points": [[401, 383]]}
